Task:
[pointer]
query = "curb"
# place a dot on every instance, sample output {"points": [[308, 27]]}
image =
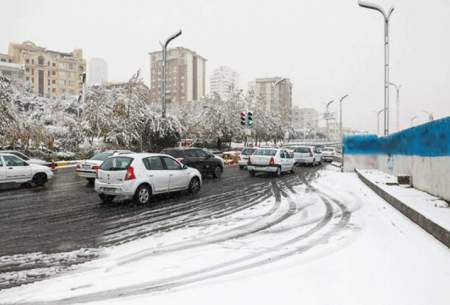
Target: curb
{"points": [[431, 227]]}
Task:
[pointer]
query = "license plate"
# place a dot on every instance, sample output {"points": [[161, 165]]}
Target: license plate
{"points": [[109, 189], [86, 166]]}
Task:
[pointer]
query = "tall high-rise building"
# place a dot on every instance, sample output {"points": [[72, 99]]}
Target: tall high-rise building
{"points": [[51, 73], [97, 71], [274, 95], [222, 81], [185, 76]]}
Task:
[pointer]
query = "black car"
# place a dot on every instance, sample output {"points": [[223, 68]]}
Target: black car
{"points": [[197, 158]]}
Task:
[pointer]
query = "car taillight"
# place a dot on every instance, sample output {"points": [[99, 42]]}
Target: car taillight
{"points": [[249, 161], [272, 161], [95, 167], [130, 173]]}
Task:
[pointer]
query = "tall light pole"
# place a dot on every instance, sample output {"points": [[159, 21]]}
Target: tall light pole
{"points": [[327, 114], [386, 16], [430, 115], [378, 120], [412, 120], [340, 115], [163, 97], [397, 89]]}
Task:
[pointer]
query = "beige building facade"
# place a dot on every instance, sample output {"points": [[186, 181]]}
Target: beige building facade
{"points": [[274, 95], [51, 73], [185, 76]]}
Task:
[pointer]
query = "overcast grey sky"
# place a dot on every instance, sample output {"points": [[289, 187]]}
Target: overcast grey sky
{"points": [[327, 48]]}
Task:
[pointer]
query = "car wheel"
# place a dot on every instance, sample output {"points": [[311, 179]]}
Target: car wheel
{"points": [[252, 173], [40, 179], [106, 198], [241, 166], [278, 172], [194, 186], [143, 194], [217, 172], [91, 181]]}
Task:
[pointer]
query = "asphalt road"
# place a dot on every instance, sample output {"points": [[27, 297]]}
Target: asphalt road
{"points": [[46, 230]]}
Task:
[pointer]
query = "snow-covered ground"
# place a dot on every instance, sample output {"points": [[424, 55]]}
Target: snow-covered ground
{"points": [[431, 207], [330, 242]]}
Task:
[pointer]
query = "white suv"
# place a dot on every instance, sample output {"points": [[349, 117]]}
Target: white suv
{"points": [[137, 176], [88, 168], [329, 154], [15, 170], [270, 160]]}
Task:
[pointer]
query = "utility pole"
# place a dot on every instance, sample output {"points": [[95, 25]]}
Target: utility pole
{"points": [[378, 121], [327, 118], [386, 16], [397, 89], [164, 46], [340, 115]]}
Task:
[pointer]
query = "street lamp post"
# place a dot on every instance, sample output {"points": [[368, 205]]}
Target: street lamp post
{"points": [[163, 97], [327, 114], [378, 120], [430, 115], [412, 120], [386, 16], [340, 115], [397, 89]]}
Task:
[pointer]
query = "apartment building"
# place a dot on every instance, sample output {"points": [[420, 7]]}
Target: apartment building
{"points": [[185, 76], [51, 73], [222, 81], [274, 95]]}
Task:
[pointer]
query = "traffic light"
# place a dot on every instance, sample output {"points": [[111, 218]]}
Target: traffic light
{"points": [[243, 118], [249, 119]]}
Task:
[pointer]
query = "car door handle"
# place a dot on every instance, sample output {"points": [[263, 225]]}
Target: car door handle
{"points": [[10, 168]]}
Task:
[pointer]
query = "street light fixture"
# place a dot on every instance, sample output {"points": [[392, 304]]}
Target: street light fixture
{"points": [[166, 43], [386, 16], [397, 89], [327, 117], [340, 115], [378, 120], [430, 115]]}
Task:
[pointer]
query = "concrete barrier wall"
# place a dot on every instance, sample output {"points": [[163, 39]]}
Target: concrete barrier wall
{"points": [[422, 152]]}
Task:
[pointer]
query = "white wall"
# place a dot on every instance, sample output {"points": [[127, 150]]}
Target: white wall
{"points": [[429, 174]]}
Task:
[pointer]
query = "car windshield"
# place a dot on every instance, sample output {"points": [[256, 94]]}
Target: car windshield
{"points": [[265, 152], [248, 151], [173, 152], [102, 156], [116, 164], [301, 150]]}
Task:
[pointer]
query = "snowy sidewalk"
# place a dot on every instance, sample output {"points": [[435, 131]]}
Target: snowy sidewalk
{"points": [[427, 211]]}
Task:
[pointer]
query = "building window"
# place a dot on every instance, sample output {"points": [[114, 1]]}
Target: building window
{"points": [[4, 60], [53, 81], [32, 61], [28, 79], [53, 90], [48, 64], [53, 65], [53, 72], [27, 69], [48, 73], [27, 61], [41, 60], [48, 82]]}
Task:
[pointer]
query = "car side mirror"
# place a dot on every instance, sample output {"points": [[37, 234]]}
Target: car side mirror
{"points": [[184, 166]]}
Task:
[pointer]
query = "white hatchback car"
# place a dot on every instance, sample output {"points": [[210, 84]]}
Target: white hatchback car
{"points": [[88, 168], [15, 170], [245, 154], [270, 160], [306, 155], [137, 176]]}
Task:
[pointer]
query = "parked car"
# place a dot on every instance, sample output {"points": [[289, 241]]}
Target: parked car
{"points": [[270, 160], [245, 153], [306, 155], [329, 154], [141, 175], [88, 168], [198, 158], [16, 170], [29, 160]]}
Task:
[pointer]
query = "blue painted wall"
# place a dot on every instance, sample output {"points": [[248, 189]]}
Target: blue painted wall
{"points": [[427, 140]]}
